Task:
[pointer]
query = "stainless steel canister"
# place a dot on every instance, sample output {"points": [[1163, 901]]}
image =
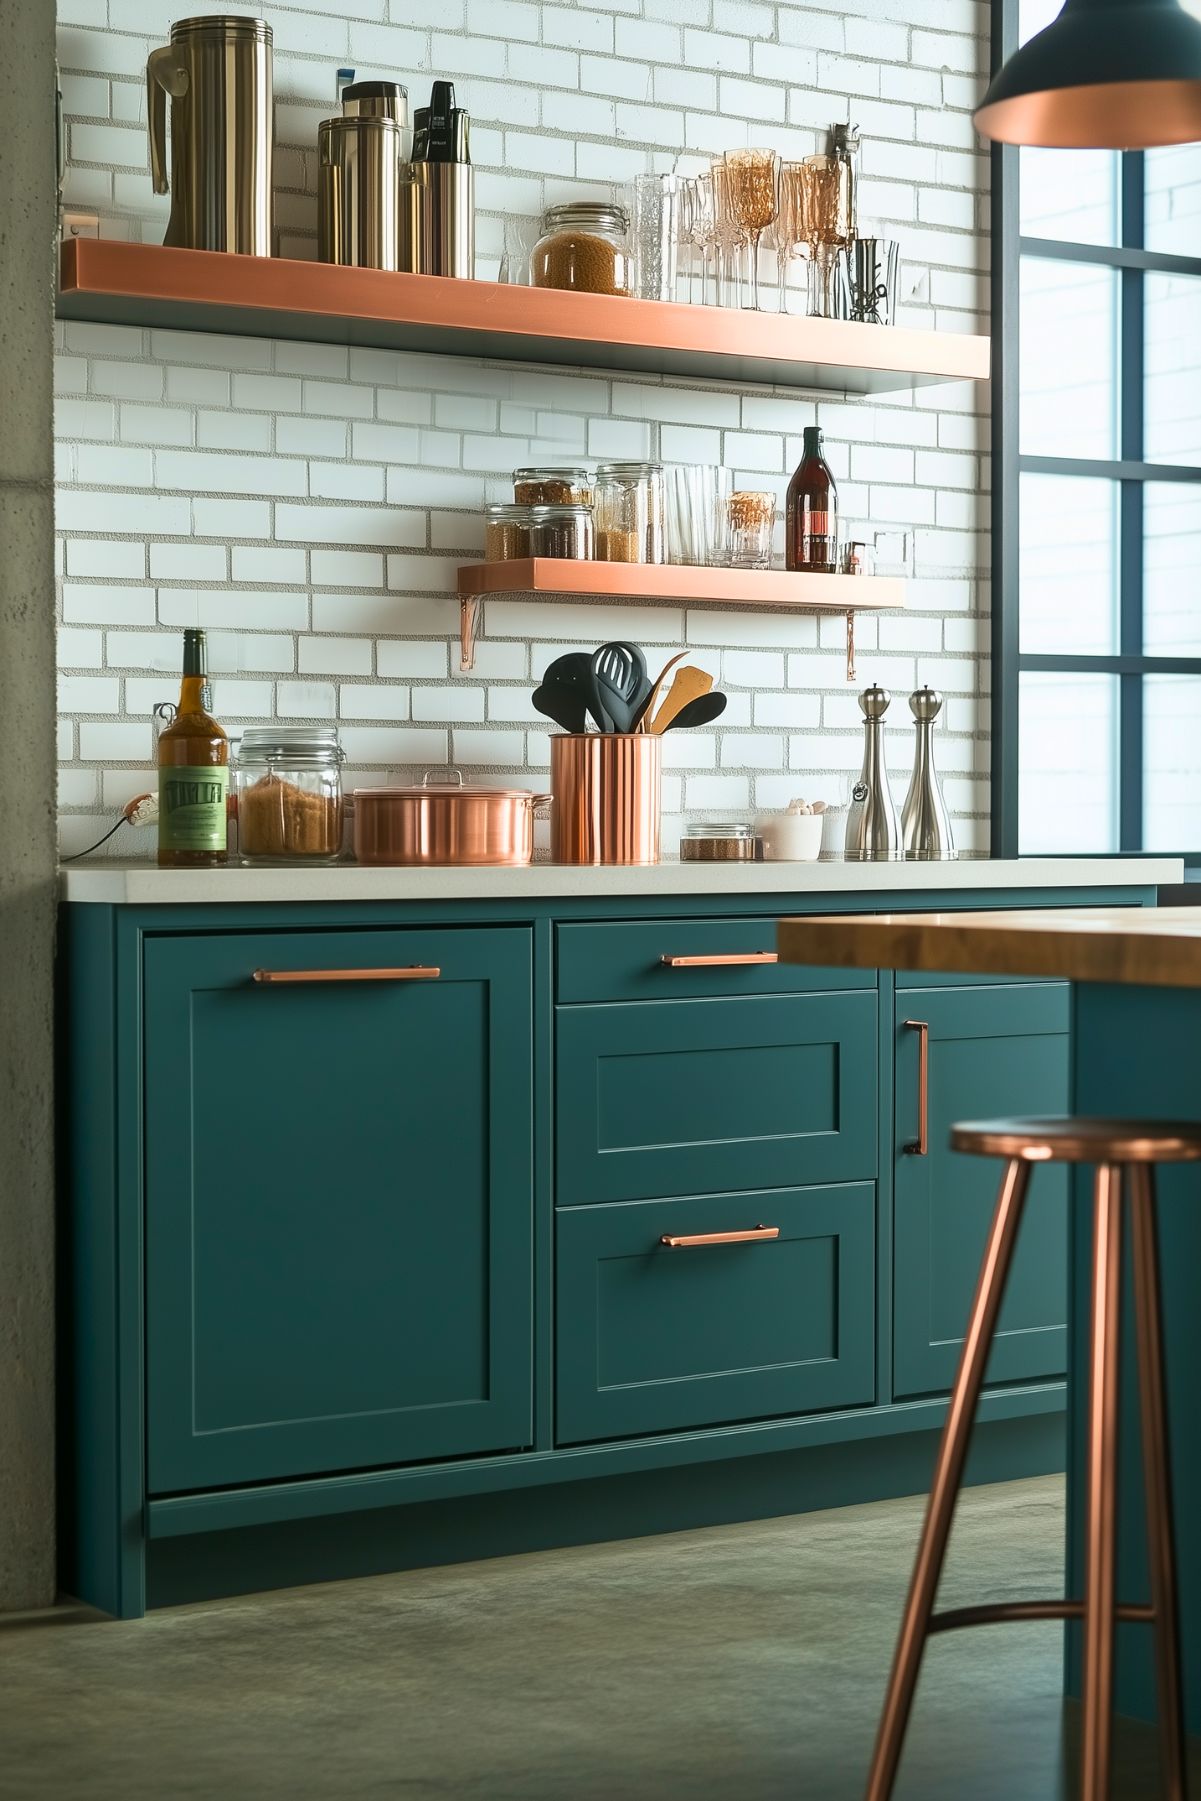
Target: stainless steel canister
{"points": [[218, 74], [359, 192], [380, 100], [445, 209]]}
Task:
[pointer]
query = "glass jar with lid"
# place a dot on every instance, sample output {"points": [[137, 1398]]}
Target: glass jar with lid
{"points": [[585, 247], [506, 532], [628, 505], [553, 485], [288, 781], [561, 532]]}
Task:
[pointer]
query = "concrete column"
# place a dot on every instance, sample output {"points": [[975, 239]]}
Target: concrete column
{"points": [[27, 804]]}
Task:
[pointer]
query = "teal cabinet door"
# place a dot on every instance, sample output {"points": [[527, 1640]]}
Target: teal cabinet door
{"points": [[993, 1051], [338, 1202], [711, 1096], [655, 1339]]}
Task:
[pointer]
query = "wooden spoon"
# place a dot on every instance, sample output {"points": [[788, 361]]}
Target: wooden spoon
{"points": [[641, 723], [688, 684]]}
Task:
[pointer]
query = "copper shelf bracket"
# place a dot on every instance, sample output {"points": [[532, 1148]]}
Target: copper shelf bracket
{"points": [[469, 629]]}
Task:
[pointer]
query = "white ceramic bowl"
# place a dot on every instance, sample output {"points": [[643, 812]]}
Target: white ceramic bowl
{"points": [[790, 837]]}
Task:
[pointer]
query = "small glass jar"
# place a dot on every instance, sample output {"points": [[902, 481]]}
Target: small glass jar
{"points": [[553, 485], [629, 508], [506, 532], [718, 841], [561, 532], [288, 780], [584, 246]]}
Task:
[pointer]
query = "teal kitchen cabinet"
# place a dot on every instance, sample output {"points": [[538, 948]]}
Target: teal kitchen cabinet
{"points": [[692, 1097], [338, 1214], [993, 1050], [654, 1337]]}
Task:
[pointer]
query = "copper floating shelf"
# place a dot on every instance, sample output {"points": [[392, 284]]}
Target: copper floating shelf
{"points": [[553, 578], [112, 282]]}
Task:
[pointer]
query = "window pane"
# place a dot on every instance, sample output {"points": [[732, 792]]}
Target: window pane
{"points": [[1070, 194], [1171, 569], [1068, 588], [1036, 15], [1172, 762], [1068, 359], [1067, 791], [1172, 185], [1172, 339]]}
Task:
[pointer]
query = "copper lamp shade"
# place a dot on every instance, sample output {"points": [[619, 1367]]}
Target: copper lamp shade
{"points": [[1106, 75]]}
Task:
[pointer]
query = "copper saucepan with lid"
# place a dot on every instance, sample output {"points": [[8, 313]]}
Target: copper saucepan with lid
{"points": [[443, 819]]}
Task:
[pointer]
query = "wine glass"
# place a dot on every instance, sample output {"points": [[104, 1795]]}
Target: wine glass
{"points": [[789, 230], [752, 196], [703, 228], [825, 225]]}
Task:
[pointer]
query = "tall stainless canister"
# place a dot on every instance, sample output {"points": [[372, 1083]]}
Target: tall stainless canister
{"points": [[218, 74], [359, 192]]}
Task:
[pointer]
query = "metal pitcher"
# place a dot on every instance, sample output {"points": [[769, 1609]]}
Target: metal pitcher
{"points": [[218, 74]]}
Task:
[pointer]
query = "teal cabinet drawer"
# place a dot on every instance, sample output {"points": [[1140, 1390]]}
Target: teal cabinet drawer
{"points": [[338, 1211], [624, 961], [704, 1097], [652, 1339], [992, 1051]]}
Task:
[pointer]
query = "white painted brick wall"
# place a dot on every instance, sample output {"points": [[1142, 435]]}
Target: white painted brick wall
{"points": [[309, 504]]}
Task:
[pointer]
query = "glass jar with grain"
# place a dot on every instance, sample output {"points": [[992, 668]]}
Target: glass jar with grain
{"points": [[552, 485], [506, 532], [561, 532], [628, 505], [288, 781], [584, 247]]}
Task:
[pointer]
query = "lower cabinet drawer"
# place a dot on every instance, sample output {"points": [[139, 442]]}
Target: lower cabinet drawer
{"points": [[655, 1339]]}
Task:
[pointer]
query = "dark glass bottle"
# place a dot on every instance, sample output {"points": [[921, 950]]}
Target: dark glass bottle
{"points": [[193, 773], [811, 517]]}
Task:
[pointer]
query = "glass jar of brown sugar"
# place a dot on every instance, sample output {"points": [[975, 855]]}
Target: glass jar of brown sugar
{"points": [[288, 781], [561, 532], [506, 532], [552, 485], [628, 502], [583, 247]]}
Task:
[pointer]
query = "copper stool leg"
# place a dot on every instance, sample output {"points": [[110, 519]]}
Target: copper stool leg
{"points": [[1157, 1478], [1102, 1460], [948, 1475]]}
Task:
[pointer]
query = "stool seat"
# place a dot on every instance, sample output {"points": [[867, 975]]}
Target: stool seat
{"points": [[1062, 1139]]}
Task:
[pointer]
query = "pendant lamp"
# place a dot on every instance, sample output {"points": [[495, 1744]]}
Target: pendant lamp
{"points": [[1106, 74]]}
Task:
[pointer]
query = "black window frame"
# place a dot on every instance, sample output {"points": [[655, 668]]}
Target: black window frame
{"points": [[1130, 470]]}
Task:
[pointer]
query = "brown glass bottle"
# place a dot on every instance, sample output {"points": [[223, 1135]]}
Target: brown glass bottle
{"points": [[811, 515], [193, 773]]}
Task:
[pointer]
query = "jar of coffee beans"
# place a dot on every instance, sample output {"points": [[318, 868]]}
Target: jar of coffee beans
{"points": [[584, 246]]}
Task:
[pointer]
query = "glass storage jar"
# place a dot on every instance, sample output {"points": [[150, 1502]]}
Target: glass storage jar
{"points": [[561, 532], [718, 841], [506, 532], [584, 246], [288, 780], [553, 485], [628, 507]]}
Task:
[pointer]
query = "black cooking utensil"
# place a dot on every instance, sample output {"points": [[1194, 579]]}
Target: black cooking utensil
{"points": [[563, 702], [619, 684], [701, 711], [574, 670]]}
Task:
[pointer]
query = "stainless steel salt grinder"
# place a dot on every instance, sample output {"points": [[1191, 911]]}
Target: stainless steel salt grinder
{"points": [[925, 826], [873, 835]]}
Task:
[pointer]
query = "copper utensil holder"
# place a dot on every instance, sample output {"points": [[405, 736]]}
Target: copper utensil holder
{"points": [[606, 788]]}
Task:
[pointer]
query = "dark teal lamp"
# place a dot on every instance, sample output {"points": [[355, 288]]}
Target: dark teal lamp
{"points": [[1106, 74]]}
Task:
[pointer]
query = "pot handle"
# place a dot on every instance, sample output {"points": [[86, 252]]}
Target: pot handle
{"points": [[540, 802], [452, 779]]}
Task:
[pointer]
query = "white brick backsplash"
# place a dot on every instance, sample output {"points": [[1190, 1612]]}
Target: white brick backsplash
{"points": [[310, 503]]}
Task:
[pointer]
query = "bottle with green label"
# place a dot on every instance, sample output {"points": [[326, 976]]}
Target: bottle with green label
{"points": [[193, 772]]}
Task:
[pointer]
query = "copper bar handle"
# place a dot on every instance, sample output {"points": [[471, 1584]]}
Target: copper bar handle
{"points": [[726, 960], [416, 972], [756, 1235], [919, 1146]]}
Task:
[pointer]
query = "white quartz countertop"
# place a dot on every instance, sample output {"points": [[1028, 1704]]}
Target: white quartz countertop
{"points": [[139, 883]]}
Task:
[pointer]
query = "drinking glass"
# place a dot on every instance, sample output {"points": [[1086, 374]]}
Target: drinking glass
{"points": [[655, 202], [789, 233], [825, 226], [697, 499], [751, 518], [729, 238], [752, 198], [703, 231]]}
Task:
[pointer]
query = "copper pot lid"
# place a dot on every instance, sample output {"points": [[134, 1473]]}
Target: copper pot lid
{"points": [[432, 786]]}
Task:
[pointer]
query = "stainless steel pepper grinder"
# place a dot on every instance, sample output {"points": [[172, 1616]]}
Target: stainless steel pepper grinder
{"points": [[873, 835], [925, 825]]}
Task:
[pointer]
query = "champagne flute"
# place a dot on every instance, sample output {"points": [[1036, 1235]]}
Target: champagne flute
{"points": [[752, 180], [789, 229], [826, 225]]}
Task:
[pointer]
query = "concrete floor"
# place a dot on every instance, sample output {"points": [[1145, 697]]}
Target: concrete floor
{"points": [[739, 1664]]}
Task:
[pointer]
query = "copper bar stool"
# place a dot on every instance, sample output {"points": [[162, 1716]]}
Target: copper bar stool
{"points": [[1124, 1152]]}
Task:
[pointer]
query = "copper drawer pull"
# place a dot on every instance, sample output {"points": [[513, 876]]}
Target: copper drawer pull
{"points": [[757, 1235], [416, 972], [726, 960], [919, 1146]]}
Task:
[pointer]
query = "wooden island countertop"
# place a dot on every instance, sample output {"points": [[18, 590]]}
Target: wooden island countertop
{"points": [[1156, 946]]}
